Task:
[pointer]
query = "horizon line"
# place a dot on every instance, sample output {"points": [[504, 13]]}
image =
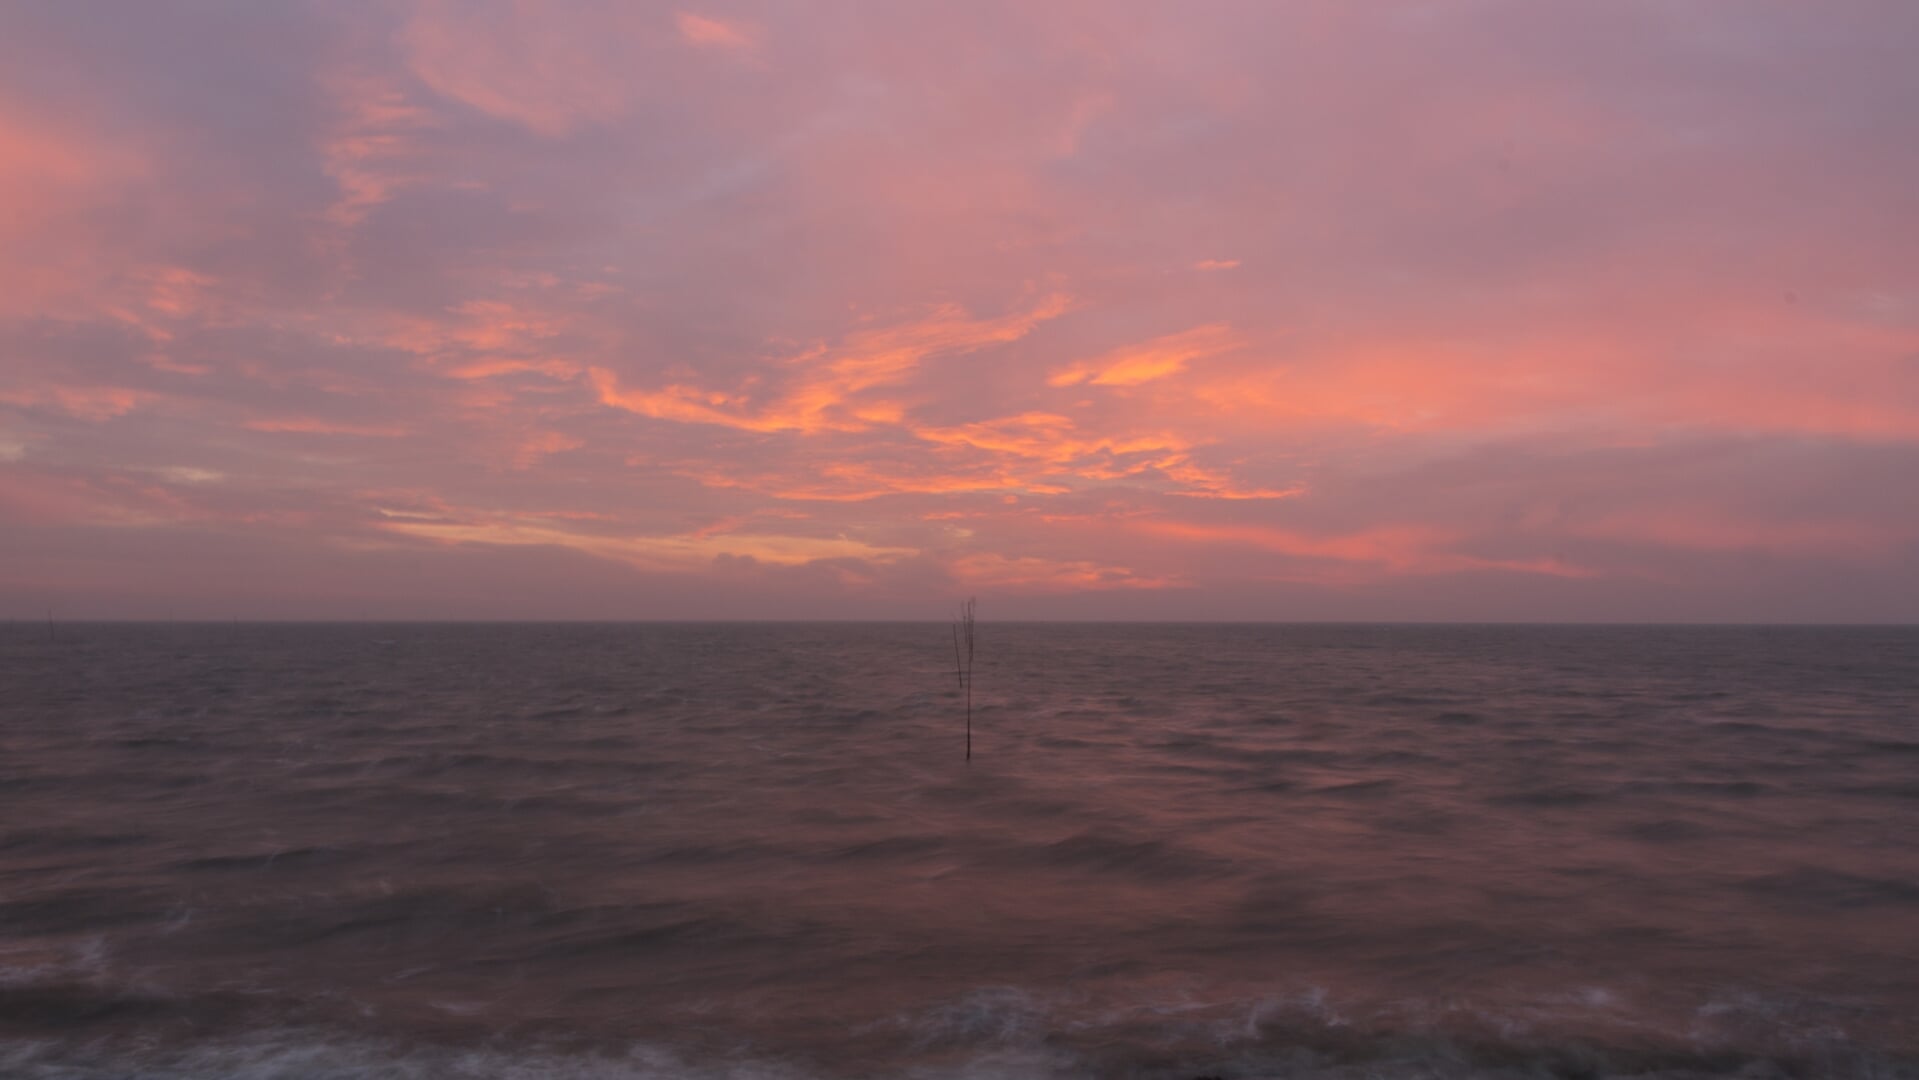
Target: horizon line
{"points": [[42, 620]]}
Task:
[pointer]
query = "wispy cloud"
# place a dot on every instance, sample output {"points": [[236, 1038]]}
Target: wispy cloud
{"points": [[704, 30], [1155, 359], [831, 387], [759, 310]]}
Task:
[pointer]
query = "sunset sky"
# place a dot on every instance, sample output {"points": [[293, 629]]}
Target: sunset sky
{"points": [[1466, 309]]}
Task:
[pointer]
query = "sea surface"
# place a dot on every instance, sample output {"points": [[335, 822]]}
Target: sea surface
{"points": [[757, 852]]}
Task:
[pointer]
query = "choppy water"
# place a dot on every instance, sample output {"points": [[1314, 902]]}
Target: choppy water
{"points": [[733, 851]]}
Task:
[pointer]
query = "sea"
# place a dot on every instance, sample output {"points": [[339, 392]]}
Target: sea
{"points": [[235, 851]]}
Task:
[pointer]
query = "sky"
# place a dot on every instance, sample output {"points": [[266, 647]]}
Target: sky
{"points": [[1475, 310]]}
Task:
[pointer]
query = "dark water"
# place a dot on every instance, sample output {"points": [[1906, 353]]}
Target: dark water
{"points": [[755, 851]]}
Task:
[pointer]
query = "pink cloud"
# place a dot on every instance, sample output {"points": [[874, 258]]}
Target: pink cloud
{"points": [[55, 177], [832, 388], [703, 30], [307, 425], [1093, 307], [516, 61], [91, 403]]}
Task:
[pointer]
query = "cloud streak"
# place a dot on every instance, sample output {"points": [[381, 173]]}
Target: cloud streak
{"points": [[1316, 310]]}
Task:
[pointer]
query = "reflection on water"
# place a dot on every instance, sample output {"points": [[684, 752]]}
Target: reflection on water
{"points": [[701, 849]]}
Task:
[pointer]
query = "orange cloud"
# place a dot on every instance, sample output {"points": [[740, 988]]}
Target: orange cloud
{"points": [[847, 481], [1028, 574], [495, 366], [1201, 482], [1048, 437], [824, 396], [1045, 447], [684, 551], [1155, 359]]}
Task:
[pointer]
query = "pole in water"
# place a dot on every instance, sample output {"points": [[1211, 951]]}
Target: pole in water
{"points": [[50, 636], [963, 664]]}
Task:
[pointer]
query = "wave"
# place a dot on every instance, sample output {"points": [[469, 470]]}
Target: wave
{"points": [[994, 1036]]}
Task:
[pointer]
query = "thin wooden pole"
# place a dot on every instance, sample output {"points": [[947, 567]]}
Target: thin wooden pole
{"points": [[959, 670], [963, 664]]}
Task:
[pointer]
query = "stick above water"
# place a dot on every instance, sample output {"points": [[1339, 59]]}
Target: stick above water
{"points": [[963, 664]]}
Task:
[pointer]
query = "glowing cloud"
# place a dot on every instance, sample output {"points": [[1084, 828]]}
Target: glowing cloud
{"points": [[829, 392], [1155, 359], [1104, 309]]}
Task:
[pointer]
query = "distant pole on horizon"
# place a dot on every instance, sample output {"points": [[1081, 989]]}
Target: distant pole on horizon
{"points": [[963, 664], [50, 634]]}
